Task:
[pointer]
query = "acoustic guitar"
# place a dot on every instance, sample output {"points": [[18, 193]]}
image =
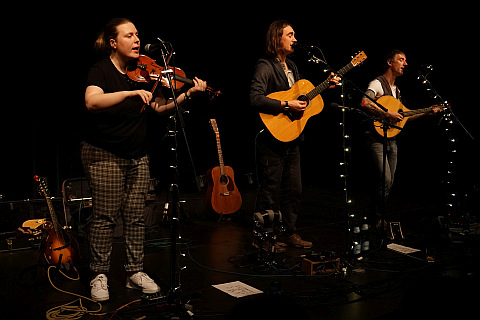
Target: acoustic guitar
{"points": [[394, 105], [222, 194], [60, 248], [288, 126]]}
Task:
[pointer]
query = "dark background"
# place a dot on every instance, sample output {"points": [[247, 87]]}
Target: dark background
{"points": [[47, 55]]}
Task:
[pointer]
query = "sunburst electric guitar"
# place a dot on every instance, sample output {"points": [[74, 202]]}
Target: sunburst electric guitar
{"points": [[394, 105], [288, 126], [222, 194]]}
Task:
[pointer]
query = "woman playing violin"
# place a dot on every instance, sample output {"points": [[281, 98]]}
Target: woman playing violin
{"points": [[114, 154]]}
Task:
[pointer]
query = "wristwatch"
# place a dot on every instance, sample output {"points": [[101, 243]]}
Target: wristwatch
{"points": [[287, 107]]}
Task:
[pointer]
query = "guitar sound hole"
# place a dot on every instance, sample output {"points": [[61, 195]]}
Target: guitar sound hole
{"points": [[304, 98], [224, 179]]}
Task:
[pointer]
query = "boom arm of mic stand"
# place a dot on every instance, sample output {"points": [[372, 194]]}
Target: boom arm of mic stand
{"points": [[383, 121], [437, 95], [353, 85], [364, 94]]}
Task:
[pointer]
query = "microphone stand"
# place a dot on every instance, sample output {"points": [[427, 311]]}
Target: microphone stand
{"points": [[436, 95], [173, 192], [385, 126], [454, 211]]}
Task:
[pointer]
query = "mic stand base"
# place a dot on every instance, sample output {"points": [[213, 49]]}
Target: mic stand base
{"points": [[166, 309]]}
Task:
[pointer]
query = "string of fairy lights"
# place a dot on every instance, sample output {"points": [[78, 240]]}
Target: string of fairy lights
{"points": [[450, 180], [448, 117], [343, 168]]}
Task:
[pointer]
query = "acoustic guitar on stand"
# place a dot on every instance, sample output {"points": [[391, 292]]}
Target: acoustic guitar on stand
{"points": [[222, 194], [288, 126], [394, 105]]}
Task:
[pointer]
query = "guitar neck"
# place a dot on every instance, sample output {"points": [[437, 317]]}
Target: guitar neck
{"points": [[55, 223], [414, 112], [43, 189], [324, 85], [220, 154]]}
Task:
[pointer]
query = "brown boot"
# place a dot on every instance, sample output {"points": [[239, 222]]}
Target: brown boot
{"points": [[295, 241]]}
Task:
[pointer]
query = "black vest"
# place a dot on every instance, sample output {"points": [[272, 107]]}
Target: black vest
{"points": [[387, 90]]}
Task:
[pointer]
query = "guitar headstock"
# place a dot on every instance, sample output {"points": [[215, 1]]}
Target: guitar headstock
{"points": [[41, 185], [359, 58], [212, 93], [213, 123], [441, 107]]}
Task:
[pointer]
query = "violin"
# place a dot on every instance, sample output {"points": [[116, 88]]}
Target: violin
{"points": [[145, 70]]}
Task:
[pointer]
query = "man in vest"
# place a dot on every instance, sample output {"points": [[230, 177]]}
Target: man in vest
{"points": [[385, 85]]}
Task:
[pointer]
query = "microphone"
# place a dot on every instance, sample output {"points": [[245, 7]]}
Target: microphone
{"points": [[300, 45], [336, 105], [149, 48]]}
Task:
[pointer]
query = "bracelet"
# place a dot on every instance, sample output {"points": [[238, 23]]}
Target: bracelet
{"points": [[186, 97], [287, 107]]}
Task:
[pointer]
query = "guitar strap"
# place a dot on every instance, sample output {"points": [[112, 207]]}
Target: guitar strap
{"points": [[387, 90]]}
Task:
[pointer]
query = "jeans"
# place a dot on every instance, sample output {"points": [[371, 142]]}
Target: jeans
{"points": [[375, 145], [280, 182]]}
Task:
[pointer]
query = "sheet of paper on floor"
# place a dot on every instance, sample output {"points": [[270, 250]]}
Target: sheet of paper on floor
{"points": [[401, 249], [237, 289]]}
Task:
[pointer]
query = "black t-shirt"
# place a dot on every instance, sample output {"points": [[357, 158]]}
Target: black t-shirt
{"points": [[121, 129]]}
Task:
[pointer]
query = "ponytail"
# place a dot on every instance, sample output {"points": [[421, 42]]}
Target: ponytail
{"points": [[102, 44]]}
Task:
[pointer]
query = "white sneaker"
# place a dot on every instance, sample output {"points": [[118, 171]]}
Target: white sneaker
{"points": [[99, 290], [141, 281]]}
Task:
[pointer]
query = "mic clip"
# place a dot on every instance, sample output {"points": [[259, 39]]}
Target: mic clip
{"points": [[314, 59], [309, 51]]}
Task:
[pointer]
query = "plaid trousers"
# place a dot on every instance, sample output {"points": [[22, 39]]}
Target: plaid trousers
{"points": [[119, 186]]}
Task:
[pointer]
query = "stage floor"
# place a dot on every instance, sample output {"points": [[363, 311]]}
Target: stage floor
{"points": [[383, 285]]}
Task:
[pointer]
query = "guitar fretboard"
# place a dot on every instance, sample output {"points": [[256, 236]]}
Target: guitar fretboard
{"points": [[324, 85], [213, 122], [220, 154], [56, 225], [414, 112]]}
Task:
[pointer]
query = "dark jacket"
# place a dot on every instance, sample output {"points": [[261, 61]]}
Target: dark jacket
{"points": [[270, 77]]}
